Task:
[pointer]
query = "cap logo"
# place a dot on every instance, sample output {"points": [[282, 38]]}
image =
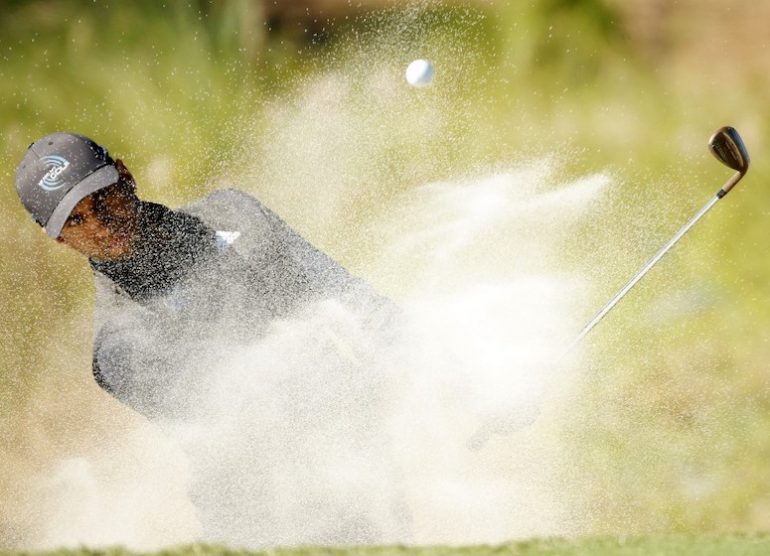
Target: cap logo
{"points": [[55, 165]]}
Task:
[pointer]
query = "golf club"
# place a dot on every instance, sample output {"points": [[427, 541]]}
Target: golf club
{"points": [[727, 146]]}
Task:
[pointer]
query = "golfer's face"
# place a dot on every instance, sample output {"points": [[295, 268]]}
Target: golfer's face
{"points": [[103, 225]]}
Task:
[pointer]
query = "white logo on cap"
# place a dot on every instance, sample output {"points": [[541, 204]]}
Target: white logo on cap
{"points": [[55, 165]]}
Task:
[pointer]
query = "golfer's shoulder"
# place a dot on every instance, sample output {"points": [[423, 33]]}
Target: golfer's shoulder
{"points": [[229, 209], [225, 201]]}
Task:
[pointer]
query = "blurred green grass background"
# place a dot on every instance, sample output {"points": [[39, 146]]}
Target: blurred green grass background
{"points": [[668, 428], [680, 545]]}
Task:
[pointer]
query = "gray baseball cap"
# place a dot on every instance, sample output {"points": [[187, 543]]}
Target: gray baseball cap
{"points": [[58, 171]]}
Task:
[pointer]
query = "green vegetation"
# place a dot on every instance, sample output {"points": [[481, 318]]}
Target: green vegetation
{"points": [[668, 427], [632, 546]]}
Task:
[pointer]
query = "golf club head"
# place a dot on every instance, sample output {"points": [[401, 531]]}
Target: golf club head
{"points": [[727, 146], [729, 149]]}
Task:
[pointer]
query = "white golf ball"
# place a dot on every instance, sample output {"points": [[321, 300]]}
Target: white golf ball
{"points": [[419, 73]]}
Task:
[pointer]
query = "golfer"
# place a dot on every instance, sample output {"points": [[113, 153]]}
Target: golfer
{"points": [[170, 284]]}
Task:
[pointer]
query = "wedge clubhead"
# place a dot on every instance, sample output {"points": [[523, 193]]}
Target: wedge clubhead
{"points": [[727, 146]]}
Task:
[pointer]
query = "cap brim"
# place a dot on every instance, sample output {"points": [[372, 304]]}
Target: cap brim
{"points": [[101, 178]]}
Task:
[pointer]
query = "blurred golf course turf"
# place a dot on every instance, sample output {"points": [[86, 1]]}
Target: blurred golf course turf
{"points": [[672, 545], [668, 427]]}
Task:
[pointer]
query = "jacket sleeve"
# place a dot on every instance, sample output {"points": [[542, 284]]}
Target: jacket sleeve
{"points": [[137, 358]]}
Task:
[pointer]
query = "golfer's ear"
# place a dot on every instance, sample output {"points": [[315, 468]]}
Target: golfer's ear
{"points": [[125, 174]]}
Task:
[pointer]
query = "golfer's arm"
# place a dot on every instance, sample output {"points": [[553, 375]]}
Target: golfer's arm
{"points": [[129, 365]]}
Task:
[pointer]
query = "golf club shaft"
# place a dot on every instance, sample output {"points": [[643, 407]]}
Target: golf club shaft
{"points": [[639, 275]]}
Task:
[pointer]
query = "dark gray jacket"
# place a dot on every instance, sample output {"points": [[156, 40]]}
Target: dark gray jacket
{"points": [[214, 273]]}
